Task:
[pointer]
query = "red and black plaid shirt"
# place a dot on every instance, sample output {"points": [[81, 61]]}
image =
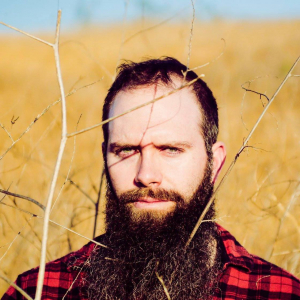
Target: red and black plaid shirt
{"points": [[244, 276]]}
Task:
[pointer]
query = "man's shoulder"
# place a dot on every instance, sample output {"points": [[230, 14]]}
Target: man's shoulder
{"points": [[60, 274], [250, 277], [66, 263]]}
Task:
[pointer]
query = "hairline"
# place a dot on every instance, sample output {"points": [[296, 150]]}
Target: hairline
{"points": [[170, 84]]}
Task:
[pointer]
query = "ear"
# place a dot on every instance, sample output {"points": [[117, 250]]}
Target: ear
{"points": [[219, 157]]}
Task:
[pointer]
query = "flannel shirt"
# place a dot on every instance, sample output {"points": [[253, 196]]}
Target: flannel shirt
{"points": [[244, 276]]}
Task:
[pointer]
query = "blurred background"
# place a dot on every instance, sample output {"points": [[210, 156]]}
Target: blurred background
{"points": [[259, 203]]}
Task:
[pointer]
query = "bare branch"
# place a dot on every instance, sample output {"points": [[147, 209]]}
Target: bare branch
{"points": [[8, 133], [19, 209], [208, 63], [69, 170], [294, 197], [154, 26], [238, 154], [82, 191], [90, 55], [23, 197], [123, 31], [25, 33], [286, 252], [57, 165], [95, 242], [71, 286], [255, 92], [41, 114], [191, 38], [269, 103], [135, 108], [10, 244], [162, 282], [22, 292], [51, 221], [97, 204], [242, 103]]}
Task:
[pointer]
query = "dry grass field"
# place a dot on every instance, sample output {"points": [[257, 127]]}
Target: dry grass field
{"points": [[260, 201]]}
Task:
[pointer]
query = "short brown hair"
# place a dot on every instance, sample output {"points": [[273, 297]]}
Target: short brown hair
{"points": [[132, 75]]}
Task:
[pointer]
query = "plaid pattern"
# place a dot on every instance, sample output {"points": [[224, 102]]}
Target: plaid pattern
{"points": [[244, 276]]}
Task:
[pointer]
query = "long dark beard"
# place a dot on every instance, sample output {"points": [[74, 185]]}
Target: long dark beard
{"points": [[145, 250]]}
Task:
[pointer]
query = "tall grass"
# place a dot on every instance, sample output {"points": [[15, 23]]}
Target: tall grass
{"points": [[259, 203]]}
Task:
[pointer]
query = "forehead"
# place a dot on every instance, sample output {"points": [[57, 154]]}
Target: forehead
{"points": [[174, 114]]}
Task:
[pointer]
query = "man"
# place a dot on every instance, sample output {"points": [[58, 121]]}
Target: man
{"points": [[161, 163]]}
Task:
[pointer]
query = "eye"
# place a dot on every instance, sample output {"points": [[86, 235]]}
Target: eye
{"points": [[172, 150], [126, 152]]}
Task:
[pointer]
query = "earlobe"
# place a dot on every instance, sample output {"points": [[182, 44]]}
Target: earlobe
{"points": [[219, 157]]}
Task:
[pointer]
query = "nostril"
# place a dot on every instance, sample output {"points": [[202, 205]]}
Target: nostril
{"points": [[139, 184], [147, 178]]}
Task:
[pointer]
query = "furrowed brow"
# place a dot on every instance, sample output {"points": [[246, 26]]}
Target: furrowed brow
{"points": [[175, 144], [112, 147]]}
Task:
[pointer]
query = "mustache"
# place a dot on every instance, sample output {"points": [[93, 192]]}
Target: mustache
{"points": [[158, 193]]}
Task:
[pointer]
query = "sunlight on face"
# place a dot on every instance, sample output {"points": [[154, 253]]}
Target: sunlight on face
{"points": [[159, 146]]}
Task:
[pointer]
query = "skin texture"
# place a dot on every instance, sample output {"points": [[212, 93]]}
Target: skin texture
{"points": [[159, 179], [158, 146]]}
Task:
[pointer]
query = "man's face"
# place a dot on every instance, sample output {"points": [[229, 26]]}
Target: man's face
{"points": [[159, 147], [159, 181]]}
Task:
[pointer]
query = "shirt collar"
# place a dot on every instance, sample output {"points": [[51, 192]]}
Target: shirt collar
{"points": [[77, 260], [234, 253]]}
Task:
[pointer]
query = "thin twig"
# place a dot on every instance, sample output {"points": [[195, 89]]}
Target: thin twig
{"points": [[51, 221], [16, 287], [294, 197], [123, 31], [292, 218], [95, 242], [57, 165], [82, 191], [255, 92], [135, 108], [8, 133], [162, 282], [23, 197], [41, 114], [286, 252], [154, 26], [238, 154], [11, 243], [191, 38], [248, 90], [25, 33], [71, 286], [69, 170], [212, 61], [91, 56], [19, 209], [97, 204]]}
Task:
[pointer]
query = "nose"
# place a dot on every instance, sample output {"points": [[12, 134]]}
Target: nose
{"points": [[149, 172]]}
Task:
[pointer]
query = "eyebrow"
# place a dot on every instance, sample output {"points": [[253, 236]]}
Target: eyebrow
{"points": [[114, 146], [182, 144]]}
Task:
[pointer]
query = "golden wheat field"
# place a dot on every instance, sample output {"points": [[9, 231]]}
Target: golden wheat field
{"points": [[260, 200]]}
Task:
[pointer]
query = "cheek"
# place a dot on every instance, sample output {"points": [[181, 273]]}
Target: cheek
{"points": [[121, 173], [191, 166], [187, 177]]}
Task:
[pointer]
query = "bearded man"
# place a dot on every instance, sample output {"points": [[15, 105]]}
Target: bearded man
{"points": [[161, 163]]}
